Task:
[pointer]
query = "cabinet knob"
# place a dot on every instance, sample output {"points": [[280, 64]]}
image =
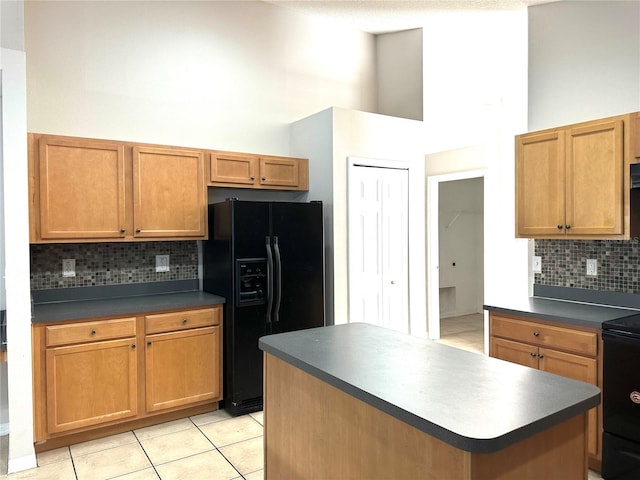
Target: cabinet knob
{"points": [[122, 230], [559, 227], [184, 321], [264, 178], [540, 355], [138, 230], [567, 226], [253, 178], [133, 346], [148, 344], [532, 354], [536, 334], [93, 332]]}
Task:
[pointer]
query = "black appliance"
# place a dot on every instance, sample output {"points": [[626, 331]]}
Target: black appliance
{"points": [[621, 399], [267, 260]]}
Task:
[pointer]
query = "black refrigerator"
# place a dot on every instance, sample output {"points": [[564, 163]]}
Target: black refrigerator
{"points": [[267, 260]]}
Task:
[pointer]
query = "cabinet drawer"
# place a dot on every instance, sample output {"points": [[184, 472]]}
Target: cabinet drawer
{"points": [[89, 331], [577, 341], [167, 322]]}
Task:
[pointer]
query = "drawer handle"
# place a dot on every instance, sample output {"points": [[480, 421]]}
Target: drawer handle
{"points": [[184, 321], [93, 332], [536, 334]]}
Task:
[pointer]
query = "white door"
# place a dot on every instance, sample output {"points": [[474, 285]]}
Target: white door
{"points": [[378, 246]]}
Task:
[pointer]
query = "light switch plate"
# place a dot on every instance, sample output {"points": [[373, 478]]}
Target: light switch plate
{"points": [[536, 264], [162, 263], [68, 267]]}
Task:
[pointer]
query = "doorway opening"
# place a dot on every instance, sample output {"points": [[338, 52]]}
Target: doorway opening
{"points": [[455, 250]]}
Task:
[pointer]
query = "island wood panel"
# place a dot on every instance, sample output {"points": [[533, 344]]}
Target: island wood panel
{"points": [[314, 430]]}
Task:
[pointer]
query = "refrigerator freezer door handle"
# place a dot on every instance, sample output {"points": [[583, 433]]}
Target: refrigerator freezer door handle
{"points": [[278, 272], [269, 279]]}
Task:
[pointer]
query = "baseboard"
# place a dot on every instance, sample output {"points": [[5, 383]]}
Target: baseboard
{"points": [[22, 463]]}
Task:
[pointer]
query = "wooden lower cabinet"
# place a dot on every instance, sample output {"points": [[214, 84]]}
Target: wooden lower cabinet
{"points": [[571, 352], [182, 368], [90, 384], [105, 374]]}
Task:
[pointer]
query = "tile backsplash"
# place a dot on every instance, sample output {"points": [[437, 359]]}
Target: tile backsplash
{"points": [[564, 264], [100, 264]]}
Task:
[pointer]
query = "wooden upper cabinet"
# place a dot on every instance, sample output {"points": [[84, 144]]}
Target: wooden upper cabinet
{"points": [[540, 184], [237, 170], [595, 166], [169, 193], [81, 189], [88, 190], [573, 181]]}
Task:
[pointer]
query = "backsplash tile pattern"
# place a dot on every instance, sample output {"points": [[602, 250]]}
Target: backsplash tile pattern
{"points": [[564, 264], [100, 264]]}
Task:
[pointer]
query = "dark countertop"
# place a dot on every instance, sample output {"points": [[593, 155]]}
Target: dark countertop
{"points": [[99, 302], [574, 313], [473, 402]]}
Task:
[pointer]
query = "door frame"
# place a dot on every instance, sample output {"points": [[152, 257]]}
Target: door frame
{"points": [[433, 247], [352, 162]]}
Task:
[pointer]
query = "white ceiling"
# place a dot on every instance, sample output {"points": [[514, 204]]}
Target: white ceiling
{"points": [[383, 16]]}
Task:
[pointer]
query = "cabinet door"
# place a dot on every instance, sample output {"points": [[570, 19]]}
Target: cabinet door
{"points": [[236, 169], [90, 384], [81, 189], [595, 165], [514, 352], [169, 193], [582, 369], [540, 184], [275, 171], [183, 368]]}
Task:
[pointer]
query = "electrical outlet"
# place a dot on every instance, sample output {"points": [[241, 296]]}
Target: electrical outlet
{"points": [[592, 267], [536, 264], [68, 267], [162, 263]]}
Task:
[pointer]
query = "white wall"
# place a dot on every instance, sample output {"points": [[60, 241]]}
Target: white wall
{"points": [[475, 77], [475, 101], [334, 135], [461, 221], [584, 61], [399, 73], [16, 223], [228, 75]]}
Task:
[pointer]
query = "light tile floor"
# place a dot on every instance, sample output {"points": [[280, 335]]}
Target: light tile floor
{"points": [[213, 446], [464, 331]]}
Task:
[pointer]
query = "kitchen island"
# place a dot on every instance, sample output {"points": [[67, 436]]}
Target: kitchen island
{"points": [[360, 401]]}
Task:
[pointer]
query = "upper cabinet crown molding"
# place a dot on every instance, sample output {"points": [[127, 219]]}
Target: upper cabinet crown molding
{"points": [[90, 190], [573, 181]]}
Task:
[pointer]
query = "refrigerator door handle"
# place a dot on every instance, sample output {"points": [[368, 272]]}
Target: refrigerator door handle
{"points": [[269, 279], [278, 272]]}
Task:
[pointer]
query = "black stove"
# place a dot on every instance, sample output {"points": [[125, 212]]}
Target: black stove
{"points": [[624, 325], [621, 398]]}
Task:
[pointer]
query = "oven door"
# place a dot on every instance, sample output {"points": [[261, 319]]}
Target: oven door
{"points": [[621, 385], [621, 406]]}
